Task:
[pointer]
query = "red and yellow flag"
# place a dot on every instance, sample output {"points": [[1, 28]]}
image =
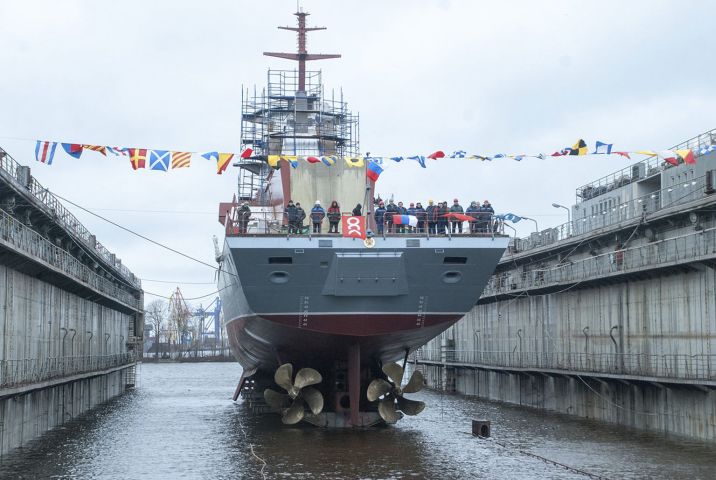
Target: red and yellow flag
{"points": [[96, 148], [223, 162], [137, 157], [181, 159]]}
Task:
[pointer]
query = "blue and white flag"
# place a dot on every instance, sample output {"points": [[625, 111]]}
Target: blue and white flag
{"points": [[397, 159], [211, 156], [117, 151], [509, 216], [518, 157], [159, 160], [418, 158], [499, 155], [458, 154], [603, 148], [378, 160], [707, 149]]}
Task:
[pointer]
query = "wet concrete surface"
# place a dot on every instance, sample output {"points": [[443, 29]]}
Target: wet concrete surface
{"points": [[181, 423]]}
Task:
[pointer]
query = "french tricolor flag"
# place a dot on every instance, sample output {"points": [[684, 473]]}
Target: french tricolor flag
{"points": [[405, 220], [373, 171]]}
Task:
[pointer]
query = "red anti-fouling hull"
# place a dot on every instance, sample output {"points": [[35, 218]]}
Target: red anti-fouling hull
{"points": [[264, 342]]}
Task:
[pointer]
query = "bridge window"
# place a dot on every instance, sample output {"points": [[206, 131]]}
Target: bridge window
{"points": [[280, 260]]}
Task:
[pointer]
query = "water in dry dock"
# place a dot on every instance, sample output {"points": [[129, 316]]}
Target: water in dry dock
{"points": [[181, 423]]}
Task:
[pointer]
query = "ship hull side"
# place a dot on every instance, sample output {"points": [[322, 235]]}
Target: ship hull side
{"points": [[389, 300]]}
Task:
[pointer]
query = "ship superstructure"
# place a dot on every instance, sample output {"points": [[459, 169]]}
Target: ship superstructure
{"points": [[338, 310]]}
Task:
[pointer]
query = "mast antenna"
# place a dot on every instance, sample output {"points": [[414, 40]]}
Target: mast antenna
{"points": [[302, 56]]}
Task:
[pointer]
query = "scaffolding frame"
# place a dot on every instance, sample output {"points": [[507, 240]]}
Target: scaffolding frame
{"points": [[283, 120]]}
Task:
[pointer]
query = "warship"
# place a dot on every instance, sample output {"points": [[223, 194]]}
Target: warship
{"points": [[321, 322]]}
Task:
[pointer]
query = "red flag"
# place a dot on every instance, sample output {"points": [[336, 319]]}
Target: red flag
{"points": [[137, 157], [247, 153], [436, 155], [623, 154], [353, 227], [460, 217], [557, 154], [313, 160]]}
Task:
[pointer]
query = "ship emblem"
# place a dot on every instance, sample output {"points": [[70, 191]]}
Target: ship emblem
{"points": [[369, 242]]}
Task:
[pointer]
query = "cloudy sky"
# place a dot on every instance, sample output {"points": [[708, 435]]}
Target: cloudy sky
{"points": [[486, 77]]}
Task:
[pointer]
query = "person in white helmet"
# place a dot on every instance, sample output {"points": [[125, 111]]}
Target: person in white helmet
{"points": [[317, 216]]}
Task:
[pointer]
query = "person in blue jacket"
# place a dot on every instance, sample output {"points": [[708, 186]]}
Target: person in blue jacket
{"points": [[317, 216]]}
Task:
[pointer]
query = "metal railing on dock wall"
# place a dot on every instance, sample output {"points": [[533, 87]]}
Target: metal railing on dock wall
{"points": [[29, 241], [9, 169], [627, 211], [685, 248], [676, 366], [31, 370]]}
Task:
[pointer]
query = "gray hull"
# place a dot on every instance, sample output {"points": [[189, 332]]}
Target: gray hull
{"points": [[306, 300]]}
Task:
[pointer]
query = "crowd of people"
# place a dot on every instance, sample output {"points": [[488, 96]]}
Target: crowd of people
{"points": [[433, 219]]}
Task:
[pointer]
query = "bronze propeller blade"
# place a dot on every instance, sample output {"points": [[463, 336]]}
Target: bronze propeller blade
{"points": [[415, 384], [306, 377], [283, 376], [377, 388], [410, 407], [276, 400], [386, 409], [394, 372], [294, 414], [313, 398]]}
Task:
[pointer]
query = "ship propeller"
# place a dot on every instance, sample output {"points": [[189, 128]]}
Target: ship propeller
{"points": [[299, 393], [390, 394]]}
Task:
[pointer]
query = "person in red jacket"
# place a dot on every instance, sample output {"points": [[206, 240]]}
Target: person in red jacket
{"points": [[334, 216]]}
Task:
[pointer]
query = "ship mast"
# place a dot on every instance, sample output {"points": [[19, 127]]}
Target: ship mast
{"points": [[302, 56]]}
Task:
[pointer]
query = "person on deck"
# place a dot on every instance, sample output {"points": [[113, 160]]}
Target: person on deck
{"points": [[401, 211], [422, 218], [473, 211], [456, 208], [442, 220], [390, 210], [300, 217], [244, 217], [291, 217], [432, 217], [486, 214], [358, 211], [411, 211], [379, 216], [317, 216], [334, 216]]}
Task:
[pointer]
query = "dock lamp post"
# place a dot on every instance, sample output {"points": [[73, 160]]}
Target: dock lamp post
{"points": [[533, 220], [569, 216]]}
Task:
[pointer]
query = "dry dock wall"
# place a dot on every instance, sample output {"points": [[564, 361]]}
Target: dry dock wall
{"points": [[651, 373], [71, 317], [626, 337], [61, 355]]}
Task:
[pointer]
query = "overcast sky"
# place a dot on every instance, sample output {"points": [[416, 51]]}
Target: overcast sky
{"points": [[486, 77]]}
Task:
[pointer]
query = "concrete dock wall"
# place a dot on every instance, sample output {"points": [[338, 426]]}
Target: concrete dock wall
{"points": [[26, 417]]}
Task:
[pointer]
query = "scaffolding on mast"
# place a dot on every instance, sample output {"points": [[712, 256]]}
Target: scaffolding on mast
{"points": [[292, 116]]}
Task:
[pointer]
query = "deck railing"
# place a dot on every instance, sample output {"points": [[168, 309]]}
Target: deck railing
{"points": [[634, 209], [9, 170], [695, 246], [31, 243], [32, 370], [277, 223], [644, 169], [673, 366]]}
